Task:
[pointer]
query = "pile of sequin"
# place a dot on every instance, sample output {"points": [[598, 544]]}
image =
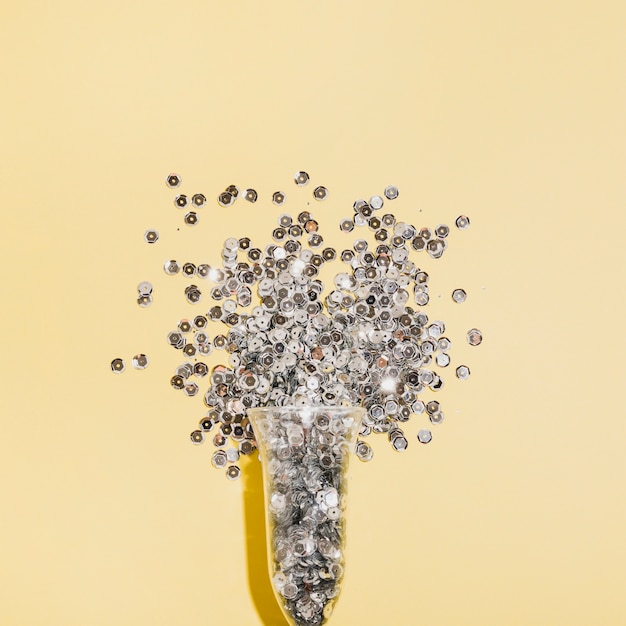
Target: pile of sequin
{"points": [[307, 453], [367, 342]]}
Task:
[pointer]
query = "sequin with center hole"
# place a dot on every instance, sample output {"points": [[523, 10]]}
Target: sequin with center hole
{"points": [[233, 472], [459, 296], [118, 365], [364, 451], [225, 199], [278, 198], [424, 436], [151, 236], [144, 288], [462, 222], [301, 178], [250, 195], [197, 437], [140, 361], [173, 181], [391, 192], [171, 267], [198, 200], [474, 337], [462, 372], [191, 218], [320, 193], [181, 201], [376, 202]]}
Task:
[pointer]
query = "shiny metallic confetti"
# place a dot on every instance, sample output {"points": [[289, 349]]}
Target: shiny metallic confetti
{"points": [[306, 454], [474, 337], [181, 201], [462, 222], [191, 218], [250, 195], [140, 361], [151, 236], [171, 267], [462, 372], [391, 192], [198, 200], [424, 436], [459, 295], [118, 365], [173, 181], [225, 199], [320, 193], [197, 437], [287, 340], [301, 178], [278, 198]]}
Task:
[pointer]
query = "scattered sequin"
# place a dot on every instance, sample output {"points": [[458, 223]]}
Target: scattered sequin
{"points": [[226, 199], [301, 178], [250, 195], [320, 193], [118, 365], [171, 267], [191, 218], [198, 200], [459, 296], [140, 361], [151, 236], [424, 436], [462, 222], [462, 372], [391, 192], [173, 181], [197, 437], [181, 201], [474, 337], [368, 341], [278, 198]]}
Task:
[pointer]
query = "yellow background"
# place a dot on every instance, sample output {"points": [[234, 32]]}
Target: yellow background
{"points": [[510, 112]]}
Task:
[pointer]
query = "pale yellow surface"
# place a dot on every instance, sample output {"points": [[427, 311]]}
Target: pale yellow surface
{"points": [[510, 112]]}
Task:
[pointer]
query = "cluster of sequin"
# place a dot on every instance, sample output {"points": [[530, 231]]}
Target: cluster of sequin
{"points": [[306, 453], [368, 342], [362, 344]]}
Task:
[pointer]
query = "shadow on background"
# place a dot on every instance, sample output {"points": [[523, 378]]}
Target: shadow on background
{"points": [[256, 546]]}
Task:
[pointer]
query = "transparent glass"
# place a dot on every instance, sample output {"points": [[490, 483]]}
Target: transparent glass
{"points": [[305, 452]]}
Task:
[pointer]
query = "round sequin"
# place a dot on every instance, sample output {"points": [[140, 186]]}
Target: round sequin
{"points": [[226, 199], [424, 436], [250, 195], [301, 178], [459, 295], [474, 337], [197, 437], [462, 222], [171, 267], [191, 218], [278, 198], [140, 361], [320, 193], [118, 366], [391, 192], [181, 201], [462, 372], [151, 236], [198, 200], [173, 181]]}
